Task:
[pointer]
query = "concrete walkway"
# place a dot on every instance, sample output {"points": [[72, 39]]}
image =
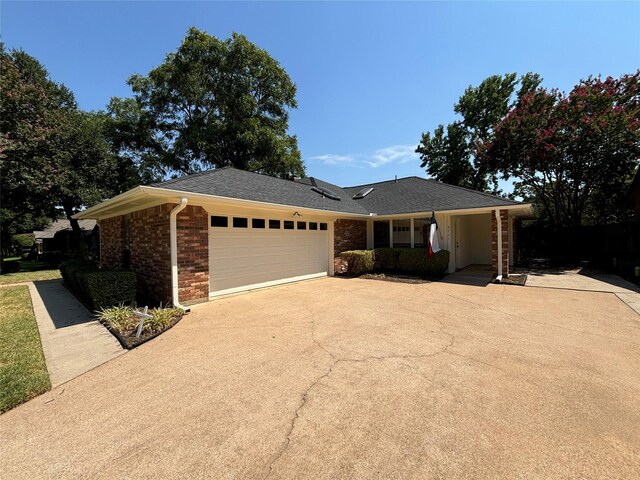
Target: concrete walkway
{"points": [[72, 341], [577, 279]]}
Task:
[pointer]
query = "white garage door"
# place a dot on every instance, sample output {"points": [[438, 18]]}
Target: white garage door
{"points": [[246, 253]]}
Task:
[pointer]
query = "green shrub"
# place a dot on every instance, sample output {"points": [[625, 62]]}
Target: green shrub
{"points": [[412, 260], [10, 266], [160, 319], [105, 288], [99, 288], [23, 241], [358, 261], [387, 258], [71, 271], [120, 318], [417, 261]]}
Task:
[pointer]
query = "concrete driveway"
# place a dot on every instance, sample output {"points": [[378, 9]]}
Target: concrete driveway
{"points": [[355, 378]]}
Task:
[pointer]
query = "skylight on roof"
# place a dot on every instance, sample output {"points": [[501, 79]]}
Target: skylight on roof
{"points": [[326, 193], [363, 193]]}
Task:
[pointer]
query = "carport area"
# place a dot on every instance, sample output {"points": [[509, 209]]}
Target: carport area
{"points": [[354, 378]]}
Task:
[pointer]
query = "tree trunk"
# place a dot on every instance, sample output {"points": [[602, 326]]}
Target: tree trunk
{"points": [[77, 231]]}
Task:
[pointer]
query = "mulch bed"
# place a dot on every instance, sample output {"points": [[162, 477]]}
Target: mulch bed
{"points": [[129, 340], [394, 277], [515, 279]]}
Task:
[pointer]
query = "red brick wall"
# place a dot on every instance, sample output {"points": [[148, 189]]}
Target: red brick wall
{"points": [[193, 254], [111, 242], [150, 249], [150, 252], [349, 235], [504, 220]]}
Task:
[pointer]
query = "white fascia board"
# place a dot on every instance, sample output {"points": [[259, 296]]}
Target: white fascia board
{"points": [[94, 212], [525, 208]]}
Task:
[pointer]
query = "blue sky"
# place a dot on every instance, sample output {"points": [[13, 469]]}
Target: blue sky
{"points": [[371, 77]]}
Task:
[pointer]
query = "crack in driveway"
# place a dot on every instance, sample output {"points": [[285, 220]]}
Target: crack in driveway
{"points": [[336, 360]]}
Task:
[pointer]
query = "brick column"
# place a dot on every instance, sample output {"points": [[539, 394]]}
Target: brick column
{"points": [[504, 221], [349, 235], [193, 255]]}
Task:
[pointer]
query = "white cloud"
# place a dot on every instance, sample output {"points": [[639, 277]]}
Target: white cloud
{"points": [[331, 159], [393, 154], [383, 156]]}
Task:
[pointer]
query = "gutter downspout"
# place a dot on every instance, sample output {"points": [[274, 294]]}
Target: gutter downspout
{"points": [[499, 232], [173, 240]]}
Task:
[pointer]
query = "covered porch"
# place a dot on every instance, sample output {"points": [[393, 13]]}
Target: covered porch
{"points": [[472, 236]]}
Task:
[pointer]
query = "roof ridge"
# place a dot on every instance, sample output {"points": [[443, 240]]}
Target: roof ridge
{"points": [[469, 190], [393, 180]]}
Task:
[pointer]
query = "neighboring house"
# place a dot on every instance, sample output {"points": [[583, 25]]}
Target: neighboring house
{"points": [[228, 230], [58, 237]]}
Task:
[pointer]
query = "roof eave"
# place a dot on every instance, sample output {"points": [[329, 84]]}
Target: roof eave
{"points": [[154, 195], [525, 209]]}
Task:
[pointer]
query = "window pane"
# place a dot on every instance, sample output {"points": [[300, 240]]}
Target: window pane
{"points": [[288, 224], [274, 223], [313, 225], [219, 221], [257, 222], [302, 225], [239, 222], [323, 226]]}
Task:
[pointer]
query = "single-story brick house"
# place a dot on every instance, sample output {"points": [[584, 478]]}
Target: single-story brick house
{"points": [[228, 230]]}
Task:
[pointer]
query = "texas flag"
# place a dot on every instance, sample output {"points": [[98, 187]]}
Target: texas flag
{"points": [[433, 236]]}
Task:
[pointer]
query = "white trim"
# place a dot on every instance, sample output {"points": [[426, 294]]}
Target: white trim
{"points": [[413, 233], [272, 283], [499, 244], [173, 241], [331, 247], [369, 234], [461, 211]]}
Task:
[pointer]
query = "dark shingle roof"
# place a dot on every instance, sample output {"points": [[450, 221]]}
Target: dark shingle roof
{"points": [[415, 194], [233, 183], [406, 195]]}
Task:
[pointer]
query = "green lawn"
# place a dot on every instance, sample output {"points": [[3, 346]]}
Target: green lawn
{"points": [[30, 271], [23, 372]]}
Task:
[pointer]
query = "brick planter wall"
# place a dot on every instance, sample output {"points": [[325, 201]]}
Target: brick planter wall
{"points": [[504, 220], [349, 235], [193, 254]]}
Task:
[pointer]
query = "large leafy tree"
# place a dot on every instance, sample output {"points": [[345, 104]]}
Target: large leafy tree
{"points": [[54, 158], [572, 154], [450, 153], [211, 103]]}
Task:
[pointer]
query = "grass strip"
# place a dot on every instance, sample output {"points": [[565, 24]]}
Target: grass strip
{"points": [[23, 372]]}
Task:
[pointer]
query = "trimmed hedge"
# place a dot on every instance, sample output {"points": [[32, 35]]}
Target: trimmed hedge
{"points": [[99, 288], [417, 261], [358, 261], [388, 258], [10, 266], [410, 260]]}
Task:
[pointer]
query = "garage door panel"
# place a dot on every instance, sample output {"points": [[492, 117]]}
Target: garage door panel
{"points": [[245, 258]]}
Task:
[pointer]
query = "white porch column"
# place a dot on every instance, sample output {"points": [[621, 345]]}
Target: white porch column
{"points": [[391, 233], [370, 234], [413, 234]]}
